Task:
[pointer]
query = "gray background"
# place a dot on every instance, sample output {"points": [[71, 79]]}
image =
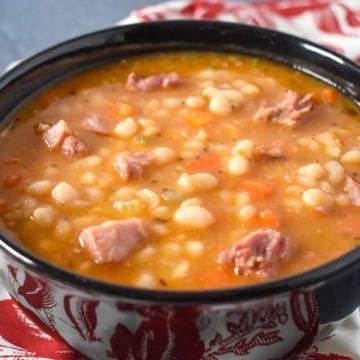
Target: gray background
{"points": [[28, 26]]}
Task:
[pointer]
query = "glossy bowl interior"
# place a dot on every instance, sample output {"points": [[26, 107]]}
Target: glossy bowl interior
{"points": [[41, 71]]}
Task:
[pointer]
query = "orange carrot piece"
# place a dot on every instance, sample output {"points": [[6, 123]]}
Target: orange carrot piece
{"points": [[197, 118], [257, 188], [12, 181], [124, 110], [219, 277], [330, 95], [269, 220], [204, 163]]}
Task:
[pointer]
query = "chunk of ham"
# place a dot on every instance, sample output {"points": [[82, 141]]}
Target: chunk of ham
{"points": [[257, 253], [352, 187], [73, 148], [112, 241], [59, 136], [55, 134], [131, 166], [93, 123], [138, 83], [262, 152], [289, 111]]}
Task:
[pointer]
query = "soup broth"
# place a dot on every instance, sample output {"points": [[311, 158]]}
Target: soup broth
{"points": [[186, 170]]}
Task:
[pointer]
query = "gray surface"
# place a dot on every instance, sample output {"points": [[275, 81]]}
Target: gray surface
{"points": [[28, 26]]}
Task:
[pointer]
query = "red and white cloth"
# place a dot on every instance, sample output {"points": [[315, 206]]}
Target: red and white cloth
{"points": [[333, 23]]}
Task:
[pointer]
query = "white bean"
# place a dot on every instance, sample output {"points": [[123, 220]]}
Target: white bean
{"points": [[146, 281], [125, 193], [126, 128], [92, 161], [251, 90], [161, 212], [164, 155], [194, 145], [194, 248], [149, 197], [64, 193], [93, 194], [306, 181], [172, 249], [201, 135], [219, 105], [336, 173], [191, 201], [160, 229], [342, 200], [247, 213], [235, 97], [145, 253], [181, 269], [316, 198], [194, 216], [40, 187], [197, 182], [172, 103], [63, 228], [89, 178], [238, 165], [43, 216], [309, 143], [195, 102], [244, 147], [351, 157], [210, 91], [313, 170]]}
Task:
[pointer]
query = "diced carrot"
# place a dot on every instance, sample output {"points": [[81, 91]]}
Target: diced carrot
{"points": [[257, 188], [218, 277], [119, 110], [204, 163], [269, 220], [330, 95], [12, 181], [197, 118], [124, 110]]}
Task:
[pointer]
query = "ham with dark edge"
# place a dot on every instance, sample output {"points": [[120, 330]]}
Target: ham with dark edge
{"points": [[112, 240], [73, 148], [257, 253], [131, 166], [289, 111], [352, 187], [137, 83], [55, 134]]}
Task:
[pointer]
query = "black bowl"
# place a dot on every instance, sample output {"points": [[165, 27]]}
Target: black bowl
{"points": [[276, 319]]}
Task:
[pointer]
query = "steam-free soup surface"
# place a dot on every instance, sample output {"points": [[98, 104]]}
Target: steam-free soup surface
{"points": [[184, 170]]}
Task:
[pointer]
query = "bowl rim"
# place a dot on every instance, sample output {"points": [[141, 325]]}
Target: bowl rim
{"points": [[310, 279]]}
